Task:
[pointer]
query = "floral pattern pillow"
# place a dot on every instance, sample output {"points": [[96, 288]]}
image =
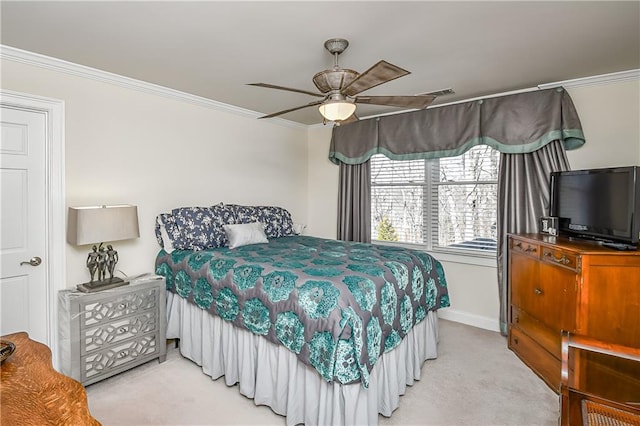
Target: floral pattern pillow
{"points": [[201, 228], [277, 221]]}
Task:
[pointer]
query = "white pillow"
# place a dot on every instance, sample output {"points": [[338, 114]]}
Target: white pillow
{"points": [[244, 234], [298, 228]]}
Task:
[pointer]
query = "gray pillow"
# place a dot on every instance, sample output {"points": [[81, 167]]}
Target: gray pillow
{"points": [[244, 234]]}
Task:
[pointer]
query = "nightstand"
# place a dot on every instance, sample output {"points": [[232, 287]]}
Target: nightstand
{"points": [[111, 331]]}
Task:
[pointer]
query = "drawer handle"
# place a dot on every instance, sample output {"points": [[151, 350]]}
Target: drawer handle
{"points": [[122, 330], [563, 260], [515, 340], [122, 306], [538, 291], [529, 248], [517, 319], [122, 354]]}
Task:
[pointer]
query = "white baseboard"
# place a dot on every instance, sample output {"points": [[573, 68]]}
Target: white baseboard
{"points": [[473, 320]]}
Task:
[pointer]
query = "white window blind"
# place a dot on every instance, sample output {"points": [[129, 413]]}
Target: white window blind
{"points": [[443, 203]]}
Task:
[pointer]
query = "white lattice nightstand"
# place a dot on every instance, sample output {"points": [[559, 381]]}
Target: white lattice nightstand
{"points": [[111, 331]]}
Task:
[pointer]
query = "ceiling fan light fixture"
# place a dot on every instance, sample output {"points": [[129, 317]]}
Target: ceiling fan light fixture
{"points": [[339, 89], [337, 110]]}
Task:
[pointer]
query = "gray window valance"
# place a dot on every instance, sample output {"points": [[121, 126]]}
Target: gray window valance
{"points": [[512, 124]]}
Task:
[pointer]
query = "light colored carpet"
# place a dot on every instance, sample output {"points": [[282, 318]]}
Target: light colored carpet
{"points": [[476, 380]]}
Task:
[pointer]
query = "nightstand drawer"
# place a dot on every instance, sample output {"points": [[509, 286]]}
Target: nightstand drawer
{"points": [[107, 310], [106, 335], [118, 358]]}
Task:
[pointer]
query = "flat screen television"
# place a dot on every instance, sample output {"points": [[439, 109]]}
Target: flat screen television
{"points": [[600, 204]]}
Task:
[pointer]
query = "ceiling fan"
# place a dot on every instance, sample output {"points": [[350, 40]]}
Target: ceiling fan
{"points": [[339, 88]]}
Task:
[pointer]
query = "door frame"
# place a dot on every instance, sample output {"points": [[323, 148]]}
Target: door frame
{"points": [[54, 258]]}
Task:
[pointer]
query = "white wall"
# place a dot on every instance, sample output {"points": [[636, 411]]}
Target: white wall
{"points": [[610, 116], [126, 146], [322, 194]]}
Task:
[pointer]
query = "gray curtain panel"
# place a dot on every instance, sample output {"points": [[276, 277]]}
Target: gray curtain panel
{"points": [[354, 202], [511, 124], [523, 196]]}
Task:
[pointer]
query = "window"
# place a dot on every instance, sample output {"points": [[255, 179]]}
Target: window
{"points": [[448, 203]]}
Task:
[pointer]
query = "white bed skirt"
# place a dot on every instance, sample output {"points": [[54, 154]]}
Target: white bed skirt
{"points": [[271, 375]]}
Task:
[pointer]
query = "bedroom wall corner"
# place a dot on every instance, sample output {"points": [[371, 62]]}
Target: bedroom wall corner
{"points": [[322, 193], [473, 292]]}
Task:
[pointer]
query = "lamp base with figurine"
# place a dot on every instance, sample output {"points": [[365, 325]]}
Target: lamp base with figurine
{"points": [[100, 261]]}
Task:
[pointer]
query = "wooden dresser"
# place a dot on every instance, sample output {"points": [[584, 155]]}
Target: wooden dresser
{"points": [[555, 284], [33, 393]]}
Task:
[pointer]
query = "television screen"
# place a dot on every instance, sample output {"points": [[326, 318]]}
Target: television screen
{"points": [[598, 203]]}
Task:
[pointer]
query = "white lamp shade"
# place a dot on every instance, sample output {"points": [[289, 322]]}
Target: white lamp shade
{"points": [[337, 110], [98, 224]]}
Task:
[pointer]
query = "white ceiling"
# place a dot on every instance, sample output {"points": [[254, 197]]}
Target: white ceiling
{"points": [[212, 49]]}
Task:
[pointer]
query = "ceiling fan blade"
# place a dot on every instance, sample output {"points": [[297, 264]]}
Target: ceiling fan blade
{"points": [[441, 92], [417, 101], [381, 72], [273, 86], [275, 114]]}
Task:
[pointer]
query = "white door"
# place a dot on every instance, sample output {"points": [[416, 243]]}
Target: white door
{"points": [[23, 235]]}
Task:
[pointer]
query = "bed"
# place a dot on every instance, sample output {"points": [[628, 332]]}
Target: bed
{"points": [[322, 331]]}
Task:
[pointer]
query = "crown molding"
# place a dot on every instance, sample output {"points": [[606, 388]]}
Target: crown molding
{"points": [[59, 65], [613, 77]]}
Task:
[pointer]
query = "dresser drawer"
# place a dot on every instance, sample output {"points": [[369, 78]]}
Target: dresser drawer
{"points": [[106, 335], [107, 310], [561, 258], [119, 357], [525, 247], [546, 337], [536, 357], [550, 297]]}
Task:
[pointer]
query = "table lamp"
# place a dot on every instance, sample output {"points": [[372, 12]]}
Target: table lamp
{"points": [[97, 225]]}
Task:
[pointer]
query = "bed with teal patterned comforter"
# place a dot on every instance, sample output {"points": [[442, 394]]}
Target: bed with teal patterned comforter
{"points": [[337, 305]]}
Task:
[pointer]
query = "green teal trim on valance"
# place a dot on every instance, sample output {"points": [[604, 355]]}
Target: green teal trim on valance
{"points": [[513, 124]]}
